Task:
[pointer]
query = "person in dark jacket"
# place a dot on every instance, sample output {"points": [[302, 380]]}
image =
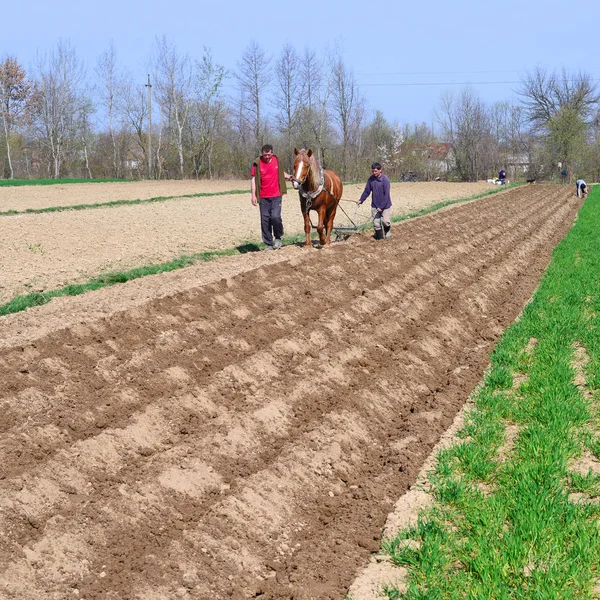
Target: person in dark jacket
{"points": [[378, 185]]}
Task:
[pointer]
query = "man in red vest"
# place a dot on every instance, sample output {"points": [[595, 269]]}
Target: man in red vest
{"points": [[268, 179]]}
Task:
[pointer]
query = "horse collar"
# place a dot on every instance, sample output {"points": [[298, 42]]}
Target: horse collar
{"points": [[313, 195]]}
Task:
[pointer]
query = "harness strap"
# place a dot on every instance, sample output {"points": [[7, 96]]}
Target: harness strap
{"points": [[310, 196]]}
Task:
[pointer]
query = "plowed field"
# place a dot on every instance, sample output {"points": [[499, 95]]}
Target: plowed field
{"points": [[247, 438]]}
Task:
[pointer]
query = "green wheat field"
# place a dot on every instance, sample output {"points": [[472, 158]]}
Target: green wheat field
{"points": [[516, 510]]}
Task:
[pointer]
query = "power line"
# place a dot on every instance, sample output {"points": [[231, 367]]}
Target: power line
{"points": [[443, 83], [441, 72], [449, 72], [438, 83]]}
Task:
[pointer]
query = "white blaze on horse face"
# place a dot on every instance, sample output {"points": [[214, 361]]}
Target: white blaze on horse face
{"points": [[298, 174]]}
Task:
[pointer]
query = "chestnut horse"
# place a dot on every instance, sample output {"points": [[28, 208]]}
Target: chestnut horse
{"points": [[319, 190]]}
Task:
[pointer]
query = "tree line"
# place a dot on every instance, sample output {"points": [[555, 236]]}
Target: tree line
{"points": [[61, 119]]}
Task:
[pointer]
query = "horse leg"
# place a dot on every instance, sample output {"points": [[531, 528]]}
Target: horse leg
{"points": [[329, 227], [307, 229], [321, 225]]}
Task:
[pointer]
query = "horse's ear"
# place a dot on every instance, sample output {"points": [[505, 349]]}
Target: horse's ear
{"points": [[295, 152], [309, 153]]}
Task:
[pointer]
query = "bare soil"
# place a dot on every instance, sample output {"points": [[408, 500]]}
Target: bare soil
{"points": [[40, 252], [246, 436]]}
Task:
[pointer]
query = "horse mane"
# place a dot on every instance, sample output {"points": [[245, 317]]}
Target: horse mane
{"points": [[314, 163]]}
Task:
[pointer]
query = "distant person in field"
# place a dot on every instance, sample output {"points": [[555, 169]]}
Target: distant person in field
{"points": [[502, 176], [268, 187], [581, 188], [381, 202]]}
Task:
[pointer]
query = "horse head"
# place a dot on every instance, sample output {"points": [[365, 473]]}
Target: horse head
{"points": [[302, 164]]}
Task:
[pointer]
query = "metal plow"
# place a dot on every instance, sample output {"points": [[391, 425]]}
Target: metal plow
{"points": [[345, 231]]}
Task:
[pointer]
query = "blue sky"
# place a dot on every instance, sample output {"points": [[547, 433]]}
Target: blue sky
{"points": [[404, 55]]}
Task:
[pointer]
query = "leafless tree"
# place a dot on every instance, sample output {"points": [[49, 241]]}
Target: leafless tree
{"points": [[254, 77], [132, 106], [84, 130], [208, 114], [174, 81], [347, 107], [315, 128], [289, 89], [545, 94], [465, 123], [110, 81], [59, 80]]}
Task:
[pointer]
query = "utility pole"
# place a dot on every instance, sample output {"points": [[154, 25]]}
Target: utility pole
{"points": [[149, 86]]}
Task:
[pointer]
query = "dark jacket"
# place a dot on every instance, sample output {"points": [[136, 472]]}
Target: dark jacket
{"points": [[380, 188]]}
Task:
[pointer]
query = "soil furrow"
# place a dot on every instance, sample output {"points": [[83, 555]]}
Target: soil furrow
{"points": [[165, 354]]}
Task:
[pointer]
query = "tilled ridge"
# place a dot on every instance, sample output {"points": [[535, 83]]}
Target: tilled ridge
{"points": [[248, 438]]}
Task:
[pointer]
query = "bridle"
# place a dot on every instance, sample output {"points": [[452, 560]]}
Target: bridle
{"points": [[307, 194]]}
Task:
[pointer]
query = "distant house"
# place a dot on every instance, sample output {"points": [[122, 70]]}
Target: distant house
{"points": [[516, 164], [440, 157], [428, 161]]}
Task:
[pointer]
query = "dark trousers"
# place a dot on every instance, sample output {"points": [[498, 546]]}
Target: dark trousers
{"points": [[271, 225]]}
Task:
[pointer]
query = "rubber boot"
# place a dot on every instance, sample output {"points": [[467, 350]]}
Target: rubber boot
{"points": [[378, 234], [386, 231]]}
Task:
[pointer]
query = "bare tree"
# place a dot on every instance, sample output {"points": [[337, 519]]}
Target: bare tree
{"points": [[254, 77], [59, 81], [545, 94], [174, 81], [311, 70], [15, 96], [465, 123], [132, 105], [208, 113], [347, 107], [110, 81], [84, 130], [289, 90], [314, 128]]}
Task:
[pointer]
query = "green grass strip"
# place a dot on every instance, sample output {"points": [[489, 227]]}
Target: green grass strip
{"points": [[115, 203], [26, 301], [19, 182], [512, 528]]}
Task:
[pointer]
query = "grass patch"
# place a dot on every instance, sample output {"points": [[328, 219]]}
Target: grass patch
{"points": [[510, 528], [116, 203]]}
